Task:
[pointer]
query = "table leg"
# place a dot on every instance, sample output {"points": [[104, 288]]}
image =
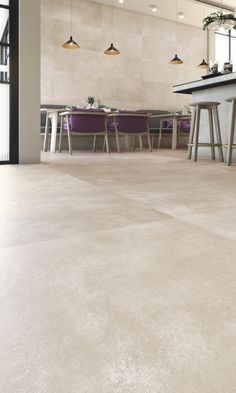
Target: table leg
{"points": [[46, 132], [174, 133], [54, 120]]}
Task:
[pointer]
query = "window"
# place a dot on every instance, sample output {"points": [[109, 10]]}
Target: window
{"points": [[225, 48], [233, 48], [9, 81]]}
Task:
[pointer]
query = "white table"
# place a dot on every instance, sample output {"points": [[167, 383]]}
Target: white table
{"points": [[175, 117], [53, 115]]}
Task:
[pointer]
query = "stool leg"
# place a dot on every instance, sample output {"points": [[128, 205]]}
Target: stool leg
{"points": [[211, 129], [218, 134], [191, 135], [197, 127], [232, 120]]}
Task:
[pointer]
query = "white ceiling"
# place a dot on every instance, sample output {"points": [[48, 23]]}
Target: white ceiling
{"points": [[193, 11]]}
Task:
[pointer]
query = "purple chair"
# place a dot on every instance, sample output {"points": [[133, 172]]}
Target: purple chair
{"points": [[84, 123], [131, 123]]}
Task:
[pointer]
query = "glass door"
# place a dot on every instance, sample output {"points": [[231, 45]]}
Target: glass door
{"points": [[8, 81]]}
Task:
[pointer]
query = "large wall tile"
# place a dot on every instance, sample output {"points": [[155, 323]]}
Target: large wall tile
{"points": [[140, 77]]}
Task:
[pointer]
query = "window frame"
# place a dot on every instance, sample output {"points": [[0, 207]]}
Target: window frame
{"points": [[13, 46]]}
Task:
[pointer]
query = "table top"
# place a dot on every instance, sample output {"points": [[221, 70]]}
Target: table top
{"points": [[172, 116], [52, 110]]}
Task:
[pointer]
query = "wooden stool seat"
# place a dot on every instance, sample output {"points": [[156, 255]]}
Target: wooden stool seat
{"points": [[232, 122], [205, 104], [214, 128], [230, 99]]}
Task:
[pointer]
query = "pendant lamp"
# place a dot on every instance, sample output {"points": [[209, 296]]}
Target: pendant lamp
{"points": [[176, 60], [71, 44], [203, 64], [112, 51]]}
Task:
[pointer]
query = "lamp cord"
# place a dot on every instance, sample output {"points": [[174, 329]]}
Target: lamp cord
{"points": [[176, 21], [112, 20], [71, 30], [203, 35]]}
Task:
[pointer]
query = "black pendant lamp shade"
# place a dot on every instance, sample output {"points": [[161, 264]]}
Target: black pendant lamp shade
{"points": [[176, 60], [112, 51], [203, 64], [71, 44]]}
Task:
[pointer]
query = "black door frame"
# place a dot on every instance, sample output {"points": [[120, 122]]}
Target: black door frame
{"points": [[14, 81]]}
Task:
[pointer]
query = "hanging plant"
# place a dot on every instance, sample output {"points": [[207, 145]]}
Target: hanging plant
{"points": [[217, 19]]}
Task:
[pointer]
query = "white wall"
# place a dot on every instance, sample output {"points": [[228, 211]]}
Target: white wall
{"points": [[139, 78], [29, 82]]}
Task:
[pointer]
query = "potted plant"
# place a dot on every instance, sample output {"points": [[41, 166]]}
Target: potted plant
{"points": [[217, 19], [91, 101]]}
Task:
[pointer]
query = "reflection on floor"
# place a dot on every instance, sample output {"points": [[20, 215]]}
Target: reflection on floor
{"points": [[118, 275]]}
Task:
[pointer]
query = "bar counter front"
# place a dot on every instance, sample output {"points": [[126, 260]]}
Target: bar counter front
{"points": [[218, 88]]}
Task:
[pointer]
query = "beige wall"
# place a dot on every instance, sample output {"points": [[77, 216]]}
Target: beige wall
{"points": [[29, 82], [139, 78]]}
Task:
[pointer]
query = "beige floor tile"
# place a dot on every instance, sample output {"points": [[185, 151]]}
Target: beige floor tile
{"points": [[221, 222], [117, 275]]}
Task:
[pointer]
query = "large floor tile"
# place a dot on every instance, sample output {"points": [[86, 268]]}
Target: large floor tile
{"points": [[117, 275]]}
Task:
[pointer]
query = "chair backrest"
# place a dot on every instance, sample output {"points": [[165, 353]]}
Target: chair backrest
{"points": [[132, 122], [88, 121], [184, 124]]}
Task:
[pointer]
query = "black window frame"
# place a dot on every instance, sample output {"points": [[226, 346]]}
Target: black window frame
{"points": [[13, 46]]}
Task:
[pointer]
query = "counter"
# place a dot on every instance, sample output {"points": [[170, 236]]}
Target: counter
{"points": [[218, 88], [204, 84]]}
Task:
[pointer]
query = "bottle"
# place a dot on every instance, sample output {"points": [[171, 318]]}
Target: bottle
{"points": [[228, 67]]}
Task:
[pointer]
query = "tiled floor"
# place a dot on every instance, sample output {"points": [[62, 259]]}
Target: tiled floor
{"points": [[118, 275]]}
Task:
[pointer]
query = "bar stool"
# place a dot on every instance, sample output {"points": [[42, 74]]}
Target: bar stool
{"points": [[214, 127], [232, 123]]}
